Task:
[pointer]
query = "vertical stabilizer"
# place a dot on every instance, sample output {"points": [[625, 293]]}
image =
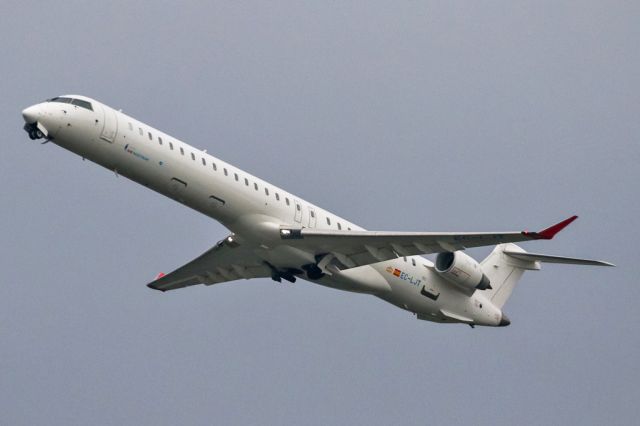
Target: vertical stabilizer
{"points": [[504, 272]]}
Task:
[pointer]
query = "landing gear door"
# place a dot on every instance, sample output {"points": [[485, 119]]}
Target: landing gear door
{"points": [[298, 215], [110, 125]]}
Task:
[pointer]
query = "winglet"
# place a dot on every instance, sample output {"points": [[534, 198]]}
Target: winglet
{"points": [[154, 286], [550, 232]]}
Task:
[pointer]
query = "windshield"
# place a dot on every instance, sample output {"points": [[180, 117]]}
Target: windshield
{"points": [[72, 101]]}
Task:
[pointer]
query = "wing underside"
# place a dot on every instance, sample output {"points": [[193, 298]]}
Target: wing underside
{"points": [[229, 261], [358, 248], [224, 262]]}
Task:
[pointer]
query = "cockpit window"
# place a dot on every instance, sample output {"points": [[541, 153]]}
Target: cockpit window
{"points": [[61, 100], [78, 102], [81, 103]]}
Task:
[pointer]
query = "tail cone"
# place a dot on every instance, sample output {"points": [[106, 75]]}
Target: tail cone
{"points": [[505, 321]]}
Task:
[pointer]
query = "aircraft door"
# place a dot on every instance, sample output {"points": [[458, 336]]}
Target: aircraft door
{"points": [[312, 218], [110, 127], [298, 214]]}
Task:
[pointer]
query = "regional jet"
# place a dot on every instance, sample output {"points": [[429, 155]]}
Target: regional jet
{"points": [[275, 234]]}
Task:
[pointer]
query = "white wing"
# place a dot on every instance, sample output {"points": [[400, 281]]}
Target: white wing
{"points": [[226, 261], [229, 261], [358, 248]]}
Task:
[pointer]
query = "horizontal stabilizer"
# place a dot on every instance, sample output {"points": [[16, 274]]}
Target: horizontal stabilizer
{"points": [[533, 257]]}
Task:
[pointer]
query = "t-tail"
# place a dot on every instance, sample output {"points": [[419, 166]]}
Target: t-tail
{"points": [[507, 262]]}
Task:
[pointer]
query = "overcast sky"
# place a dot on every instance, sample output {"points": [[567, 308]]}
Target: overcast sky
{"points": [[398, 116]]}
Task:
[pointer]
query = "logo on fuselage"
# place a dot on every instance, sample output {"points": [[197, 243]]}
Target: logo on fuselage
{"points": [[135, 153], [403, 276]]}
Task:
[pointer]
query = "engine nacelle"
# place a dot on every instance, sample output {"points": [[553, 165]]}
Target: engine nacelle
{"points": [[461, 269]]}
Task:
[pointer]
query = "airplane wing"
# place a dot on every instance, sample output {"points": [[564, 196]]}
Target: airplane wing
{"points": [[358, 248], [226, 261]]}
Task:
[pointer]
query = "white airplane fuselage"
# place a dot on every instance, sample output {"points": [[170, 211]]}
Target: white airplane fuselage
{"points": [[253, 209]]}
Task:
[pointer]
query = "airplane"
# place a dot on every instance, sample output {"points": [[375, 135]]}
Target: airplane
{"points": [[275, 234]]}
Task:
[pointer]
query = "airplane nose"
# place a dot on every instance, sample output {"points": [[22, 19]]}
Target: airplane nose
{"points": [[30, 114]]}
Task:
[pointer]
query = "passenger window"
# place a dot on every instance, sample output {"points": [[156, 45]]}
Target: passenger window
{"points": [[159, 140], [298, 207], [236, 175], [277, 196], [313, 214], [255, 185], [246, 181], [150, 136], [328, 221], [214, 166], [204, 162], [193, 156], [413, 262], [181, 151], [140, 130], [266, 191], [171, 146], [339, 226], [226, 173], [130, 126], [286, 199], [349, 228]]}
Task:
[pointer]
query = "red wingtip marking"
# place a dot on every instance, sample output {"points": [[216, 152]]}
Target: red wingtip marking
{"points": [[550, 232], [160, 275]]}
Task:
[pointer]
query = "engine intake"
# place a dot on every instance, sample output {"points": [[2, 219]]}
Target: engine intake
{"points": [[461, 269]]}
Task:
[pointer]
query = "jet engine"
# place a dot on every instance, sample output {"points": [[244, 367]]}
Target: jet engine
{"points": [[461, 269]]}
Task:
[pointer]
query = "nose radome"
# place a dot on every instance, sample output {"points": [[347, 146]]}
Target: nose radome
{"points": [[30, 114]]}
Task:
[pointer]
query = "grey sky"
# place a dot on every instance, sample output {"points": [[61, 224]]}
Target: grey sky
{"points": [[410, 116]]}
